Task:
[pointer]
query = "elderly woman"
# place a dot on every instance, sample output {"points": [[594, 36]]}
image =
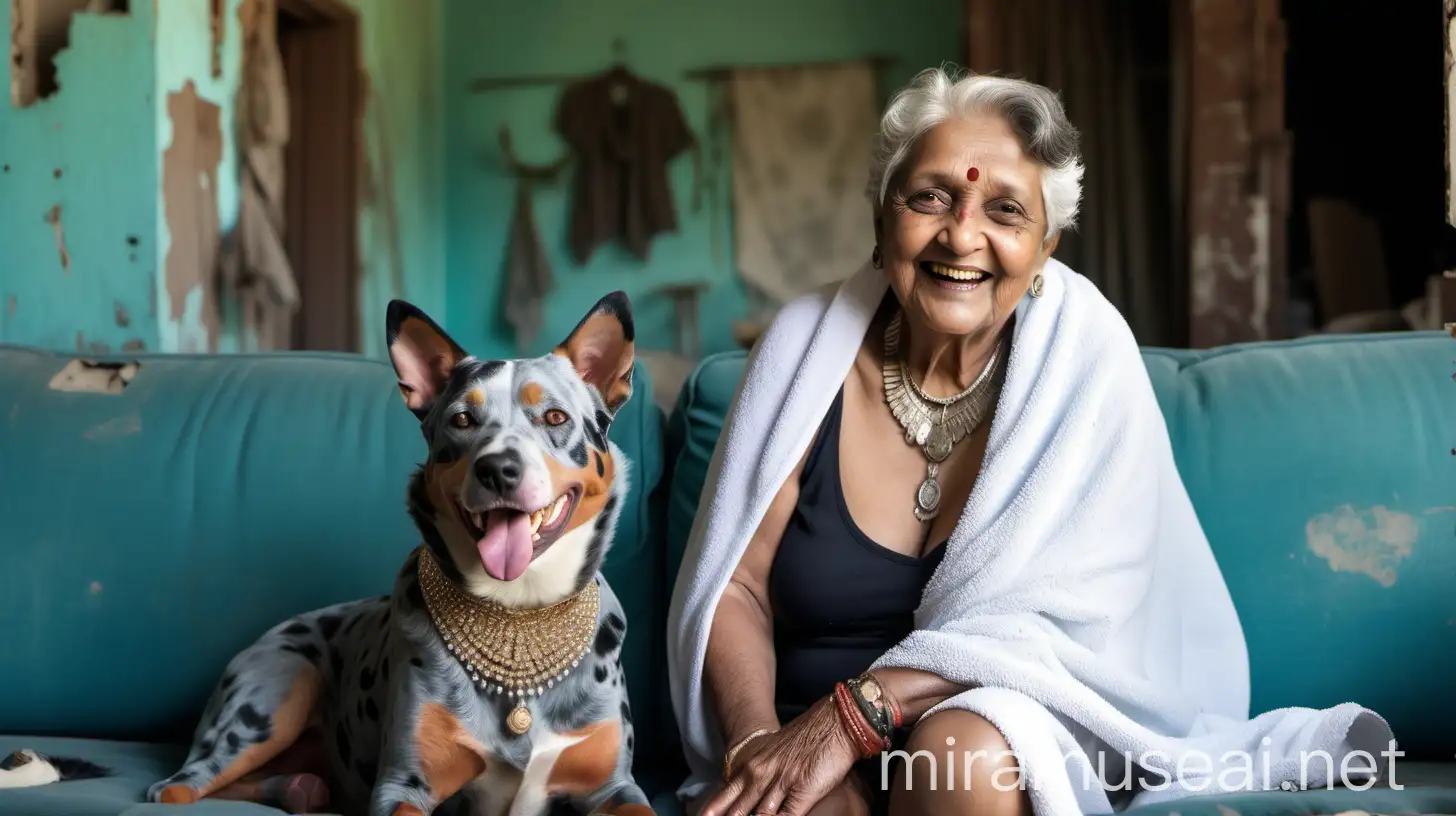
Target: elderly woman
{"points": [[945, 562]]}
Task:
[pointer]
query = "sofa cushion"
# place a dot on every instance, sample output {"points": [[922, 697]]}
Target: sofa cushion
{"points": [[148, 535], [1322, 471]]}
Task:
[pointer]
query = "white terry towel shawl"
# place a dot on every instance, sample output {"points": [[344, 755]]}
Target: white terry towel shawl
{"points": [[1078, 598]]}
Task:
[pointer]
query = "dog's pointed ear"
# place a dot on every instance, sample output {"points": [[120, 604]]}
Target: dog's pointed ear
{"points": [[422, 353], [601, 349]]}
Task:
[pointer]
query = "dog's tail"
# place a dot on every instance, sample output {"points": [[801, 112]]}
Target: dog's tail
{"points": [[28, 768]]}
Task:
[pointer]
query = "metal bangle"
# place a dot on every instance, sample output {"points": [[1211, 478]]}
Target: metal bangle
{"points": [[738, 746]]}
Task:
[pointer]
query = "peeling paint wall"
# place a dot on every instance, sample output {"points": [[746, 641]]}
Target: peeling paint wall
{"points": [[196, 169], [86, 236], [402, 226], [77, 172]]}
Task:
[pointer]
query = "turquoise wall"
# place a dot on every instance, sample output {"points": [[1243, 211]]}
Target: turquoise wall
{"points": [[433, 228], [401, 225], [184, 54], [663, 39], [96, 149], [87, 153]]}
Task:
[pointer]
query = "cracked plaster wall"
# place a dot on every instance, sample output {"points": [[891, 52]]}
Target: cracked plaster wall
{"points": [[77, 264], [84, 232]]}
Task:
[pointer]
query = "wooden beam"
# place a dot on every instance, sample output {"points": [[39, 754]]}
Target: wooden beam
{"points": [[1238, 171]]}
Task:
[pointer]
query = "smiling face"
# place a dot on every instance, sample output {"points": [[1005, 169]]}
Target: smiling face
{"points": [[963, 228], [519, 463]]}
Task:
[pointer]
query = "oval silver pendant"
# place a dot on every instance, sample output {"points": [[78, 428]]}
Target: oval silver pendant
{"points": [[928, 496]]}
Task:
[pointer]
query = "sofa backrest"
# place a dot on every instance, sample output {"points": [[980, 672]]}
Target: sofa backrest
{"points": [[148, 535], [1323, 473]]}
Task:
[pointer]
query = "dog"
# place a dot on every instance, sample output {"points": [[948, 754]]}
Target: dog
{"points": [[396, 704]]}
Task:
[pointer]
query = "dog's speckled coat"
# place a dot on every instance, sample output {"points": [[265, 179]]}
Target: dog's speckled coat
{"points": [[399, 720]]}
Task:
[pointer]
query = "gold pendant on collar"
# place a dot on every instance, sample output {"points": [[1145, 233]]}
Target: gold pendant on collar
{"points": [[516, 652]]}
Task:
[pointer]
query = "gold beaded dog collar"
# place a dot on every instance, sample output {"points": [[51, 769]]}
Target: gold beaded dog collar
{"points": [[516, 652]]}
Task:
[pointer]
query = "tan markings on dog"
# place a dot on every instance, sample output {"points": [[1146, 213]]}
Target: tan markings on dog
{"points": [[288, 722], [406, 809], [449, 756], [594, 487], [587, 765], [620, 387], [475, 397], [445, 481], [178, 795], [531, 393], [631, 809]]}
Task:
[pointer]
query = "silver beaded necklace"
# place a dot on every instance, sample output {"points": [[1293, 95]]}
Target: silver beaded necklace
{"points": [[935, 424]]}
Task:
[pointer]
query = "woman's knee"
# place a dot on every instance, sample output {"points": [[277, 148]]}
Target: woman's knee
{"points": [[958, 762]]}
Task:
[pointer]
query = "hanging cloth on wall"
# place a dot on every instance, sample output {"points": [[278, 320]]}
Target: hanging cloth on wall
{"points": [[528, 271], [624, 130], [253, 263], [800, 139]]}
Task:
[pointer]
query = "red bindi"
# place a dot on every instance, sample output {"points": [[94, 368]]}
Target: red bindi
{"points": [[973, 174]]}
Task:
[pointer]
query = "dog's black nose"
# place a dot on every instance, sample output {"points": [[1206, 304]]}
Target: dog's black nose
{"points": [[500, 472]]}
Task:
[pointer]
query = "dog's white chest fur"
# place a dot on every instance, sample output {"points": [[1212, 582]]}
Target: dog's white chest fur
{"points": [[504, 790]]}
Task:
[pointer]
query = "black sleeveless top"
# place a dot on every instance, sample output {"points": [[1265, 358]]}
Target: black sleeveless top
{"points": [[840, 600]]}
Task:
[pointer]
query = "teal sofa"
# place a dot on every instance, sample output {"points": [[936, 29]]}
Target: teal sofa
{"points": [[147, 535]]}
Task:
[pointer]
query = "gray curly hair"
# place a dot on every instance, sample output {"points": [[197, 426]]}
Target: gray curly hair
{"points": [[1033, 111]]}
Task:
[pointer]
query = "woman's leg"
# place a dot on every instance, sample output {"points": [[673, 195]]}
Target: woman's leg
{"points": [[984, 780]]}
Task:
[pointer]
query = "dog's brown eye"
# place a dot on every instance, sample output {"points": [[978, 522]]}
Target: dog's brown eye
{"points": [[463, 420], [555, 417]]}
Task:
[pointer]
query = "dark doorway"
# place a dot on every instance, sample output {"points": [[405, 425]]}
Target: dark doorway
{"points": [[319, 43], [1368, 191]]}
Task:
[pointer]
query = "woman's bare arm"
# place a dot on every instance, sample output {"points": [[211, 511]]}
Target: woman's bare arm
{"points": [[916, 691], [739, 668]]}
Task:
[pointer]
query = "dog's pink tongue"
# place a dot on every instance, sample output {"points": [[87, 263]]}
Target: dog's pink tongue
{"points": [[506, 548]]}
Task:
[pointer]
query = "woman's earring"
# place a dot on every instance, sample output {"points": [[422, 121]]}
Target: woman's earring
{"points": [[1036, 285], [876, 259]]}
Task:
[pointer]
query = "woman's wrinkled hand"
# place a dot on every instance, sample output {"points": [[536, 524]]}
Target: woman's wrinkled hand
{"points": [[787, 772]]}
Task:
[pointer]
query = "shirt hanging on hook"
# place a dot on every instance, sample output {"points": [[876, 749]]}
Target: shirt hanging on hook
{"points": [[623, 130]]}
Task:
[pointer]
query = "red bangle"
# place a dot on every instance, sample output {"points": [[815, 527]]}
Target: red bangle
{"points": [[849, 726], [861, 734]]}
